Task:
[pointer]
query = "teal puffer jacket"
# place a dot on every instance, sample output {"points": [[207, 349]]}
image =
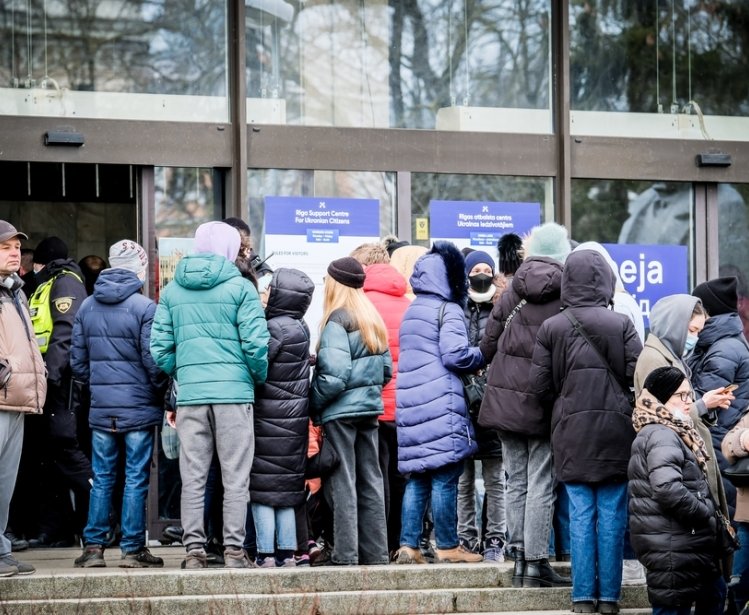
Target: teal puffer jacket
{"points": [[348, 379], [209, 332]]}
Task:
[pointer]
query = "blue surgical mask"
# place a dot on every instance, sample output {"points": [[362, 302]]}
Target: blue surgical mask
{"points": [[690, 344]]}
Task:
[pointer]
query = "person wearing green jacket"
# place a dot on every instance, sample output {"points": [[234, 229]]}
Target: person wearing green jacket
{"points": [[210, 334]]}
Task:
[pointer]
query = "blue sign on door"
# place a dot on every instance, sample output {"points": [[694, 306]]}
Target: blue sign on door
{"points": [[481, 222]]}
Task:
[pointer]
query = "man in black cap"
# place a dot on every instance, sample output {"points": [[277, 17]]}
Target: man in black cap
{"points": [[23, 386], [53, 306]]}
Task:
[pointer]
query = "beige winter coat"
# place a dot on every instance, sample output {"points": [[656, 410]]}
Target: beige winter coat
{"points": [[732, 450], [27, 387]]}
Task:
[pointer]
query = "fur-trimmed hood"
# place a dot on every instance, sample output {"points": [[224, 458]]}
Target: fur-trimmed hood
{"points": [[441, 272]]}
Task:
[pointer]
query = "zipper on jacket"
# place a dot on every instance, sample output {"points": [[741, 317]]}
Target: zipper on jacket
{"points": [[468, 433]]}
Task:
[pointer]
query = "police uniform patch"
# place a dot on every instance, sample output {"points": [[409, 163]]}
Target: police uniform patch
{"points": [[63, 304]]}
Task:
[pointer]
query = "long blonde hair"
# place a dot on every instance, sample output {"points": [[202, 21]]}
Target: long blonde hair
{"points": [[360, 310]]}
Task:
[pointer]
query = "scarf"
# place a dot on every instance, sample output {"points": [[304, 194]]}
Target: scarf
{"points": [[649, 411], [482, 297]]}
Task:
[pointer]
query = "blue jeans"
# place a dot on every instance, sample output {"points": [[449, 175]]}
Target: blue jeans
{"points": [[442, 486], [711, 601], [274, 525], [559, 540], [105, 452], [741, 566], [598, 517]]}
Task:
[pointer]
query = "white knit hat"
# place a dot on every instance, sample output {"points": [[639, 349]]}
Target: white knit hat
{"points": [[127, 254]]}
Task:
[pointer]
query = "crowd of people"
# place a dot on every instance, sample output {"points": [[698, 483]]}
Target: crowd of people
{"points": [[596, 444]]}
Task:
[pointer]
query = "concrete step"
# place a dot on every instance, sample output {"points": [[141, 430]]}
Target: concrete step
{"points": [[59, 588], [395, 602]]}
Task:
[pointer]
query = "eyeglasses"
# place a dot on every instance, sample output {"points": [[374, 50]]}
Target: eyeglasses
{"points": [[685, 396]]}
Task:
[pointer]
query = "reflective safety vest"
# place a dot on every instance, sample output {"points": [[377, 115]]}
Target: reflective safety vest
{"points": [[41, 312]]}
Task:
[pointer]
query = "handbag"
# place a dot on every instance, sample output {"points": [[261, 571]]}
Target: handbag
{"points": [[322, 463], [628, 391], [474, 385], [738, 473], [728, 542]]}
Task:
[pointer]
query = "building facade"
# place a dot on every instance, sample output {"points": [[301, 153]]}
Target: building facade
{"points": [[626, 121]]}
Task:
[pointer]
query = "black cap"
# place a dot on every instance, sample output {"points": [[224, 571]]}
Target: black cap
{"points": [[663, 382], [348, 271], [50, 249], [719, 296]]}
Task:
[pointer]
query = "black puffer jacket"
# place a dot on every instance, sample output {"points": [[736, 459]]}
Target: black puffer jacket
{"points": [[281, 404], [510, 402], [591, 423], [477, 316], [671, 521]]}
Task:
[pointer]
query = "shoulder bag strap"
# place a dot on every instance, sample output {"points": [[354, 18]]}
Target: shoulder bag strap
{"points": [[514, 312], [579, 329]]}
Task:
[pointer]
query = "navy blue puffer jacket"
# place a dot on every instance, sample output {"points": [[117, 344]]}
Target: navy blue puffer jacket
{"points": [[110, 352], [433, 426], [721, 357]]}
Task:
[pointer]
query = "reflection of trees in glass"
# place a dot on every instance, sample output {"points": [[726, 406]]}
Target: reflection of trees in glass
{"points": [[629, 56], [502, 62], [396, 62], [157, 46], [184, 200], [599, 208], [477, 53]]}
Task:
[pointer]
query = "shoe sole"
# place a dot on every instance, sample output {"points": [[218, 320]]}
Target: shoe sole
{"points": [[8, 574], [101, 564], [140, 565]]}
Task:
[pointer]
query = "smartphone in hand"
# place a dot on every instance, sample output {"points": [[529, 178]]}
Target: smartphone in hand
{"points": [[730, 388]]}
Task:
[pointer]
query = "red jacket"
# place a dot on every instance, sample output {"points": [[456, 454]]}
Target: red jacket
{"points": [[385, 287]]}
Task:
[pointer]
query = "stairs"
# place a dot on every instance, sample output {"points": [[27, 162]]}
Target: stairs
{"points": [[356, 590]]}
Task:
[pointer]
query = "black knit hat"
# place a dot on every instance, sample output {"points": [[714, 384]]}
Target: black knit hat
{"points": [[719, 296], [348, 271], [663, 382], [50, 249]]}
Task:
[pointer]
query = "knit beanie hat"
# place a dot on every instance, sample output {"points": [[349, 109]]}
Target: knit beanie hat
{"points": [[476, 257], [663, 382], [347, 271], [719, 296], [127, 254], [549, 240], [50, 249], [217, 238]]}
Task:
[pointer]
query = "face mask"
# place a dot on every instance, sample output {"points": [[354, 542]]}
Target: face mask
{"points": [[690, 344], [481, 282]]}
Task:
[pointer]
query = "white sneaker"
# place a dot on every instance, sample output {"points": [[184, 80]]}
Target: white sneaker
{"points": [[633, 573]]}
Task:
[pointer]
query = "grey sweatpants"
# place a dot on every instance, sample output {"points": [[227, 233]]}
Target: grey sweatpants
{"points": [[229, 429], [11, 441]]}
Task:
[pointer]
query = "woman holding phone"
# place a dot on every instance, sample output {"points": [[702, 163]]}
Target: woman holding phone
{"points": [[721, 359]]}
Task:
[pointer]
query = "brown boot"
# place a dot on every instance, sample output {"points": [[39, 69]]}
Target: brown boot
{"points": [[408, 555], [458, 555]]}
